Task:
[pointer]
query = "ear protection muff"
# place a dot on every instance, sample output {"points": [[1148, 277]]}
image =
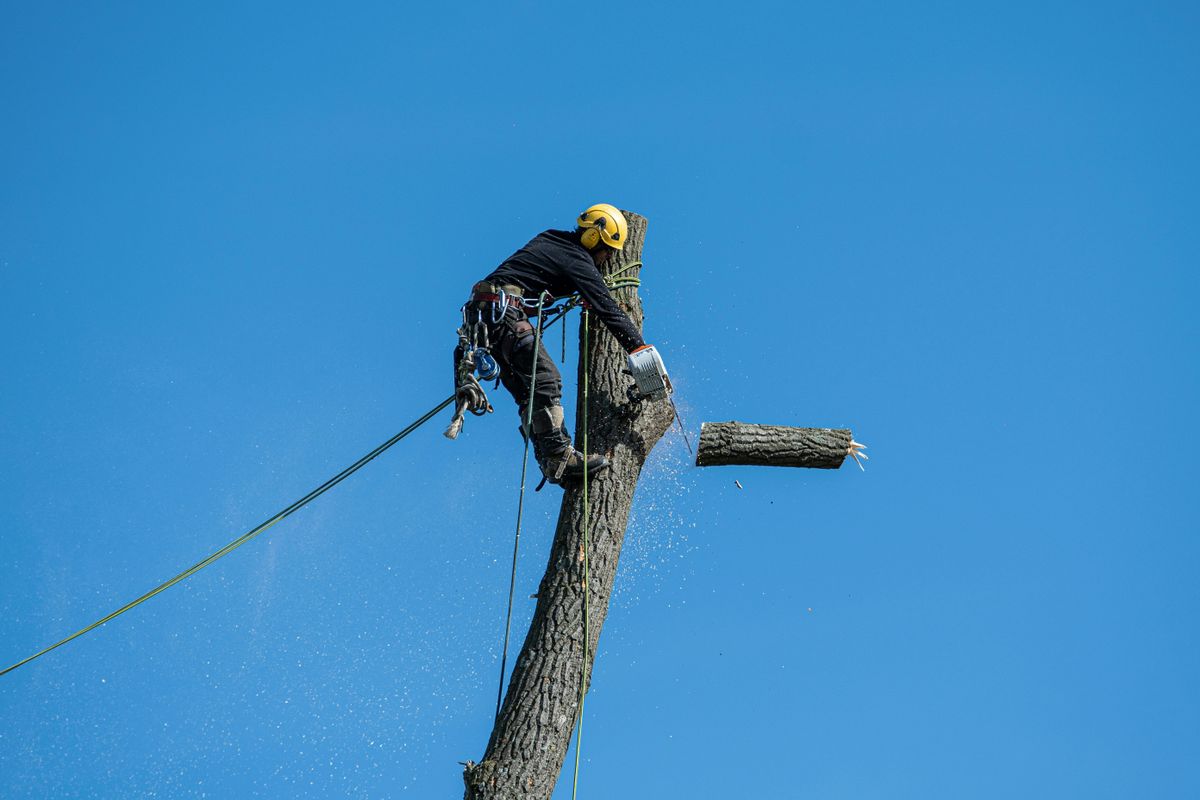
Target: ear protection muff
{"points": [[591, 237]]}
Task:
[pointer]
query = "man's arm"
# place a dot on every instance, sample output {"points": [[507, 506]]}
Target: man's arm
{"points": [[593, 291]]}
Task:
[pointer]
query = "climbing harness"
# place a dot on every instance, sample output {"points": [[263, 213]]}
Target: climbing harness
{"points": [[475, 359], [248, 535], [477, 362]]}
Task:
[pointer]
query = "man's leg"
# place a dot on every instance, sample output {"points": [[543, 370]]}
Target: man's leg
{"points": [[551, 441]]}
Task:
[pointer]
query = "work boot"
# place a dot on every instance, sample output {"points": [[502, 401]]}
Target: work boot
{"points": [[569, 464], [552, 448]]}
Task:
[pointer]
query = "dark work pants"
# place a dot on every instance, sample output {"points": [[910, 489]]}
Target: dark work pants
{"points": [[513, 348]]}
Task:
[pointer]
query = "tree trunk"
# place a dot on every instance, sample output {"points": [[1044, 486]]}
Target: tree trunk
{"points": [[531, 735], [723, 443]]}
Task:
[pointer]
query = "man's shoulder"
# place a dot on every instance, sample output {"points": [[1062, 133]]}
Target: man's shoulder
{"points": [[556, 237], [559, 246]]}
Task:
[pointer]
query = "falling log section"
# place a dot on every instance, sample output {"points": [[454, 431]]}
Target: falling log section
{"points": [[743, 443]]}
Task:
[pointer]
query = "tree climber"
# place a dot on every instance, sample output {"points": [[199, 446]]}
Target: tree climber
{"points": [[495, 321]]}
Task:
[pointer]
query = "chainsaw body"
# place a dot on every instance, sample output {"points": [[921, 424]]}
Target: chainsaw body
{"points": [[649, 373]]}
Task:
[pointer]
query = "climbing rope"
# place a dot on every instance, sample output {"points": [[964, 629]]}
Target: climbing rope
{"points": [[583, 677], [560, 312], [248, 535], [612, 283], [512, 583]]}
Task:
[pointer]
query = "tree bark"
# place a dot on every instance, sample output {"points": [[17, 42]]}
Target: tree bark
{"points": [[724, 443], [530, 738]]}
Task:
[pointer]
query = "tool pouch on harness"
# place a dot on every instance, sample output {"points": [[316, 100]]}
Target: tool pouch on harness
{"points": [[519, 329]]}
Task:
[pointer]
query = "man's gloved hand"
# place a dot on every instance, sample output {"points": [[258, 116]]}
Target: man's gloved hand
{"points": [[649, 373]]}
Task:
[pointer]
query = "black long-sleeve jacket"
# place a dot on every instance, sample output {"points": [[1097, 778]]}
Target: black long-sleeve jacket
{"points": [[555, 262]]}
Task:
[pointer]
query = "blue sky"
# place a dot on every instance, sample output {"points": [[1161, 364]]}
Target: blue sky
{"points": [[232, 246]]}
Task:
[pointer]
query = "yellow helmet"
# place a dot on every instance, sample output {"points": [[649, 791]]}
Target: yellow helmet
{"points": [[603, 223]]}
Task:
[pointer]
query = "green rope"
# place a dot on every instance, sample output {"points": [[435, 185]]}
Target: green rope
{"points": [[248, 535], [512, 583], [583, 678], [625, 268], [613, 283]]}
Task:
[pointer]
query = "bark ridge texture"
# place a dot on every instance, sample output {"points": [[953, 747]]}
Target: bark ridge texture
{"points": [[529, 741], [743, 443]]}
